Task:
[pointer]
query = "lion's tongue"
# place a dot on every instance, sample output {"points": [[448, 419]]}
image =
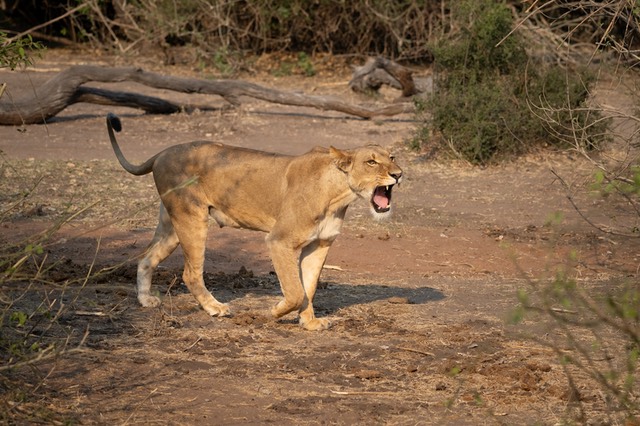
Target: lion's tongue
{"points": [[380, 198]]}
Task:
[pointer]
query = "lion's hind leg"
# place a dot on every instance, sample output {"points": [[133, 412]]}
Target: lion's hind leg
{"points": [[192, 228], [165, 241]]}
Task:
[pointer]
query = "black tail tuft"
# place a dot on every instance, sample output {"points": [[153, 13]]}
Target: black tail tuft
{"points": [[114, 121]]}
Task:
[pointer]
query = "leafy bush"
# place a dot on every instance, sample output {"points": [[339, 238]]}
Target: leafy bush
{"points": [[395, 29], [595, 337], [474, 52], [15, 53], [491, 102]]}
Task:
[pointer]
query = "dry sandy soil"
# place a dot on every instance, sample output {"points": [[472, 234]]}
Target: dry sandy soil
{"points": [[420, 304]]}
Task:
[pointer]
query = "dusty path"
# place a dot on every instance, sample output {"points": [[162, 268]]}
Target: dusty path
{"points": [[419, 303]]}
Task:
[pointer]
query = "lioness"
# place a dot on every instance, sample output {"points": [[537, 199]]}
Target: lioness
{"points": [[299, 201]]}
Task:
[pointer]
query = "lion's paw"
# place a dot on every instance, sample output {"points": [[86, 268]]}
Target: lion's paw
{"points": [[218, 310], [275, 312], [149, 301], [282, 308], [316, 324]]}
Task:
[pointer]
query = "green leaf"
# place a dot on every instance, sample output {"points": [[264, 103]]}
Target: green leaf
{"points": [[599, 177], [19, 317], [555, 218], [523, 297], [517, 315]]}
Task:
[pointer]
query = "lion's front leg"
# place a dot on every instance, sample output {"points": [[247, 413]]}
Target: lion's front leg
{"points": [[286, 261], [298, 272], [311, 263]]}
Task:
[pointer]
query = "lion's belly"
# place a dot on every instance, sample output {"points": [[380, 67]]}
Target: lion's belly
{"points": [[222, 219], [241, 221]]}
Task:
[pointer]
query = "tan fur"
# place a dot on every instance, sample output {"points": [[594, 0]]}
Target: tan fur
{"points": [[300, 201]]}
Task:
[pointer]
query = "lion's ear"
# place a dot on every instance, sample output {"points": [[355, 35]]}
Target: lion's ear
{"points": [[342, 159]]}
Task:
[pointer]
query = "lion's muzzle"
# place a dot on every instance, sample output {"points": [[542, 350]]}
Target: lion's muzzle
{"points": [[381, 198]]}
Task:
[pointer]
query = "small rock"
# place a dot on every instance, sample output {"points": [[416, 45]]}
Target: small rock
{"points": [[384, 237], [368, 374]]}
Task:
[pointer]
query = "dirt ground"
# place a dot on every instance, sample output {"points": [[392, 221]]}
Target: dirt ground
{"points": [[420, 304]]}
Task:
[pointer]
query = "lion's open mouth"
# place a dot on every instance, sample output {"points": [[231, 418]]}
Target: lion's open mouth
{"points": [[381, 199]]}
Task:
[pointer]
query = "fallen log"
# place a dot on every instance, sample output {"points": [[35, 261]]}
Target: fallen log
{"points": [[66, 88], [378, 71]]}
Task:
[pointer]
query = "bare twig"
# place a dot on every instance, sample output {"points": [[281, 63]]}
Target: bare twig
{"points": [[600, 228], [126, 422], [193, 344], [46, 24], [415, 351], [46, 354]]}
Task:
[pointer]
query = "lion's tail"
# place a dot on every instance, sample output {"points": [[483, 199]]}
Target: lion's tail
{"points": [[113, 123]]}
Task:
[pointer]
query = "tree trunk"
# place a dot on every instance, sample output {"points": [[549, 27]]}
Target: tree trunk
{"points": [[66, 89]]}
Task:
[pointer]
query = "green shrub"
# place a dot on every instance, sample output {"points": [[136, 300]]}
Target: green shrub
{"points": [[18, 52], [491, 102], [474, 52], [558, 99], [589, 328], [472, 122], [395, 29]]}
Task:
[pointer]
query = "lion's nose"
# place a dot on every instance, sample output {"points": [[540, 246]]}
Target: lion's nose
{"points": [[397, 176]]}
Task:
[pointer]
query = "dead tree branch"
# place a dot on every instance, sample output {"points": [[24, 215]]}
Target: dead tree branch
{"points": [[67, 88], [378, 71]]}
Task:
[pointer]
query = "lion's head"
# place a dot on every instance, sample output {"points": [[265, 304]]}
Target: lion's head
{"points": [[371, 173]]}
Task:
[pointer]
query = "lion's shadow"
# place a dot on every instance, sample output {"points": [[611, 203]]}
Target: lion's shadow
{"points": [[334, 296], [331, 296]]}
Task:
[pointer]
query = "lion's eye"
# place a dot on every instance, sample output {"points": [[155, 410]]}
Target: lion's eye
{"points": [[392, 158], [372, 162]]}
